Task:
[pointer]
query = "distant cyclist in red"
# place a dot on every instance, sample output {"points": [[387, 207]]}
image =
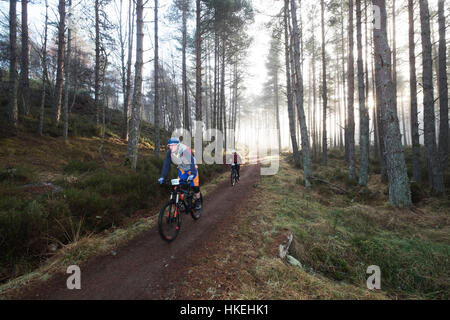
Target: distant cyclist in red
{"points": [[236, 162]]}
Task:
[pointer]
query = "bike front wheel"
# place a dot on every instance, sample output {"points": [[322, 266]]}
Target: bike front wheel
{"points": [[169, 221]]}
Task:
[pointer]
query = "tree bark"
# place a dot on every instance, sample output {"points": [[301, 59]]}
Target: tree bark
{"points": [[127, 86], [435, 176], [122, 39], [324, 89], [44, 72], [277, 108], [344, 84], [60, 68], [24, 76], [97, 62], [222, 90], [413, 96], [198, 68], [394, 54], [13, 107], [307, 165], [66, 71], [443, 88], [289, 86], [157, 106], [364, 141], [399, 190], [184, 70], [132, 150], [351, 89], [314, 89]]}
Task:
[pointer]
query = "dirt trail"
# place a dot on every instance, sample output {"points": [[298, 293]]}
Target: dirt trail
{"points": [[147, 267]]}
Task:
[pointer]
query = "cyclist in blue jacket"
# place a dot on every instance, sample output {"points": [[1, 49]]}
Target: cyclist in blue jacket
{"points": [[182, 156]]}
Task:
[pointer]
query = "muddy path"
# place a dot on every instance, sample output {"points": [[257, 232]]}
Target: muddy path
{"points": [[147, 267]]}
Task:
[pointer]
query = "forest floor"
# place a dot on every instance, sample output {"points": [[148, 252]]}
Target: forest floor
{"points": [[232, 252]]}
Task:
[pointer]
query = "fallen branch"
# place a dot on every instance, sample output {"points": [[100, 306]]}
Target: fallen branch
{"points": [[284, 248], [330, 184]]}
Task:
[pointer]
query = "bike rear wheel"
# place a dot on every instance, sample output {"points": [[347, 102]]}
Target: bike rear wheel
{"points": [[233, 177], [169, 221]]}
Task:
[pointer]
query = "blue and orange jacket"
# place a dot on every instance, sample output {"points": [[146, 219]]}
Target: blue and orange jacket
{"points": [[183, 158]]}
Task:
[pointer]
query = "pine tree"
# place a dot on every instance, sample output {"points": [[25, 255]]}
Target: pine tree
{"points": [[435, 177], [399, 190]]}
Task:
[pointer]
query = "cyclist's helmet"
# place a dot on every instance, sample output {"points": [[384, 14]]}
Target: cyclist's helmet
{"points": [[173, 141]]}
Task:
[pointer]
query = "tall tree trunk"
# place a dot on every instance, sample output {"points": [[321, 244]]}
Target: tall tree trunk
{"points": [[216, 76], [208, 89], [222, 99], [157, 106], [394, 54], [184, 69], [277, 109], [235, 101], [105, 102], [364, 141], [443, 88], [44, 71], [289, 86], [402, 107], [60, 68], [13, 108], [293, 79], [24, 77], [366, 67], [413, 96], [339, 125], [376, 135], [399, 191], [176, 110], [222, 89], [97, 62], [435, 177], [344, 85], [314, 88], [124, 129], [132, 150], [198, 66], [324, 89], [66, 71], [351, 89], [307, 165], [127, 89]]}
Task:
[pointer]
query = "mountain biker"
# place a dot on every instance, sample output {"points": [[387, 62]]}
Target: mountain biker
{"points": [[236, 162], [182, 156]]}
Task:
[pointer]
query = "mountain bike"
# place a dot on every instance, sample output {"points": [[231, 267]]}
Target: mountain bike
{"points": [[234, 176], [182, 200]]}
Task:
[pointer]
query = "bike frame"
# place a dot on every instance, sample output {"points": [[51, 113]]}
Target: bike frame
{"points": [[181, 199], [179, 192]]}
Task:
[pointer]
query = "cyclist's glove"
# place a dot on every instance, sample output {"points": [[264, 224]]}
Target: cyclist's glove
{"points": [[190, 178], [161, 180]]}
